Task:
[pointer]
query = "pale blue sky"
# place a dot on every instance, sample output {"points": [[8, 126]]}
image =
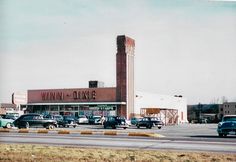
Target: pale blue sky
{"points": [[182, 47]]}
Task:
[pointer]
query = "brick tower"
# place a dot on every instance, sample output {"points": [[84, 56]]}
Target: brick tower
{"points": [[125, 75]]}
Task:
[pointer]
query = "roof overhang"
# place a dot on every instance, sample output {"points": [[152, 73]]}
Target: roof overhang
{"points": [[79, 103]]}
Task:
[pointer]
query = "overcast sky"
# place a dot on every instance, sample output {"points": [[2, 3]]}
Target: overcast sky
{"points": [[183, 47]]}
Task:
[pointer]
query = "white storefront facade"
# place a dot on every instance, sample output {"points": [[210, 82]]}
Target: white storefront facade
{"points": [[169, 109]]}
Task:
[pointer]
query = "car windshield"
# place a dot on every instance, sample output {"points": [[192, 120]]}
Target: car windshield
{"points": [[229, 118], [58, 117], [82, 116], [68, 118]]}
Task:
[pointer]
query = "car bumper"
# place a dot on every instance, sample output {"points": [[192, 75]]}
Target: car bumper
{"points": [[122, 126], [227, 130]]}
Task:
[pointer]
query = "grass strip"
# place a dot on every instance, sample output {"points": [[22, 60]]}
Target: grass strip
{"points": [[44, 153]]}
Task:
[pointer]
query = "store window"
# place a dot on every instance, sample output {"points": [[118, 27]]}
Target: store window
{"points": [[62, 108], [54, 108]]}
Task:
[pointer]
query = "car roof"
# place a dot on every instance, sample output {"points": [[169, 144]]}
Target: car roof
{"points": [[230, 116], [31, 114]]}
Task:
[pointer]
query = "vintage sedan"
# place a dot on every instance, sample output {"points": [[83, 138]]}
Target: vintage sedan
{"points": [[82, 119], [34, 120], [115, 122], [6, 123], [227, 126], [95, 120], [149, 122], [69, 121]]}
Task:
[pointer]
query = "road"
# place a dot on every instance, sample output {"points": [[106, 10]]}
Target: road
{"points": [[120, 142], [181, 137]]}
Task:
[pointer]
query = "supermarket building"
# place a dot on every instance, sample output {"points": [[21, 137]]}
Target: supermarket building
{"points": [[121, 100]]}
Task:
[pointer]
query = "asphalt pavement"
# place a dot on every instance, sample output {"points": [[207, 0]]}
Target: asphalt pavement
{"points": [[192, 137]]}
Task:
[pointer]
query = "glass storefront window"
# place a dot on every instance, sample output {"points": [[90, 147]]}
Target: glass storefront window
{"points": [[53, 108], [61, 107]]}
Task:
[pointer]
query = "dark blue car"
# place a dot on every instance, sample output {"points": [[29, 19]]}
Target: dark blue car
{"points": [[227, 126]]}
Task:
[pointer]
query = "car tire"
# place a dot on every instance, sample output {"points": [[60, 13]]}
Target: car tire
{"points": [[113, 127], [50, 126], [220, 134], [138, 126], [8, 125], [74, 126], [159, 127], [27, 125]]}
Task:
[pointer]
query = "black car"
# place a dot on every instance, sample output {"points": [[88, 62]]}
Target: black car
{"points": [[58, 118], [115, 122], [69, 121], [34, 120], [149, 122], [94, 119]]}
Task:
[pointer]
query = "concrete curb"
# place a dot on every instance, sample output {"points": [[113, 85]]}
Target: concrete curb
{"points": [[83, 132]]}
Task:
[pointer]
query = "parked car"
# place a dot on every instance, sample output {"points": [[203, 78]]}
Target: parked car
{"points": [[227, 126], [82, 119], [69, 121], [95, 120], [134, 120], [6, 123], [58, 118], [149, 122], [115, 122], [9, 116], [156, 122], [34, 120]]}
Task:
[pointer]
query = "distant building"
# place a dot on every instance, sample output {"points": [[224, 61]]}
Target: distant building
{"points": [[169, 109], [228, 108], [202, 113], [7, 108]]}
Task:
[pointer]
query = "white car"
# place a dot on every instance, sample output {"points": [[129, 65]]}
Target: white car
{"points": [[82, 119]]}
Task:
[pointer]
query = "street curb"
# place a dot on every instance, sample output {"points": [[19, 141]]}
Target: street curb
{"points": [[86, 132], [82, 132], [63, 132], [43, 131], [23, 131], [111, 133], [138, 134]]}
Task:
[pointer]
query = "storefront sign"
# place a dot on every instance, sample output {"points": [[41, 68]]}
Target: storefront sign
{"points": [[105, 107], [72, 95], [76, 95], [84, 95], [51, 96]]}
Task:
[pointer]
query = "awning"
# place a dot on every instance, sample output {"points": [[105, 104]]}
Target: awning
{"points": [[79, 103]]}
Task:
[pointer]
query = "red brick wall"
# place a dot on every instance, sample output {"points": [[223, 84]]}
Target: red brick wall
{"points": [[72, 95], [125, 74]]}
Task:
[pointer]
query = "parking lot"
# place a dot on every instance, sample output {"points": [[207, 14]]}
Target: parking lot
{"points": [[181, 130]]}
